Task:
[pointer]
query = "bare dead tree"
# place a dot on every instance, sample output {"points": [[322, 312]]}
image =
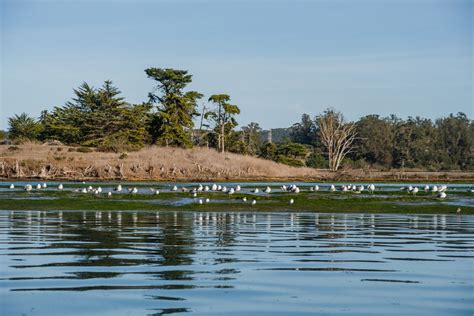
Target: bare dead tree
{"points": [[336, 135]]}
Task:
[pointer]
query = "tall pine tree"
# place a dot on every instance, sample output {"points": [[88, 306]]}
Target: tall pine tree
{"points": [[172, 124], [98, 117]]}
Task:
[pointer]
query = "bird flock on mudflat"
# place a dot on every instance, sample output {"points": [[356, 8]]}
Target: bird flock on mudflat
{"points": [[440, 191]]}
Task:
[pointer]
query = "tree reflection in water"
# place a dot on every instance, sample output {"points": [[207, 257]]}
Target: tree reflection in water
{"points": [[177, 262]]}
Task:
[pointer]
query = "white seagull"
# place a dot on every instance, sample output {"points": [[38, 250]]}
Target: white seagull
{"points": [[371, 188], [442, 195]]}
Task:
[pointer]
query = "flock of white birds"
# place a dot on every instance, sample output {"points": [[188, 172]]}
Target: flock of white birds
{"points": [[440, 191]]}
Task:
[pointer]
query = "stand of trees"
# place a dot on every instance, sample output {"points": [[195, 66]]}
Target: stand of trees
{"points": [[391, 142], [101, 118], [98, 118], [223, 119]]}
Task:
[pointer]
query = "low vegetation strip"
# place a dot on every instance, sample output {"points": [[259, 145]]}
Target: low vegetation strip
{"points": [[459, 200], [36, 161]]}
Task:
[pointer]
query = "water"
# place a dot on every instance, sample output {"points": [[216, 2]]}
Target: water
{"points": [[247, 187], [146, 263]]}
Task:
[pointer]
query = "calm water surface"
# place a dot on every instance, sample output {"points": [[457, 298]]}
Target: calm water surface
{"points": [[144, 263]]}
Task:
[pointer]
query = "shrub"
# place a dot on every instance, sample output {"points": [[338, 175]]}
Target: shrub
{"points": [[316, 160], [118, 144], [289, 161], [21, 140], [357, 164], [293, 150], [23, 127], [268, 150], [84, 150], [31, 164]]}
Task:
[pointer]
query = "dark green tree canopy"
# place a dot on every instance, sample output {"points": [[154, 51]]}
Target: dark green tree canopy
{"points": [[97, 117], [455, 142], [23, 127], [251, 138], [305, 131], [172, 124], [223, 118], [169, 81], [375, 141]]}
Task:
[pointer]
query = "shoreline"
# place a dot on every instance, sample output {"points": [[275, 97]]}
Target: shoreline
{"points": [[434, 178], [250, 211], [32, 162]]}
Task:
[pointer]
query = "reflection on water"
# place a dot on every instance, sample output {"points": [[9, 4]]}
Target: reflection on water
{"points": [[136, 263]]}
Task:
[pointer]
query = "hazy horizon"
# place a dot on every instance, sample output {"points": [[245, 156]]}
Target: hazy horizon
{"points": [[276, 59]]}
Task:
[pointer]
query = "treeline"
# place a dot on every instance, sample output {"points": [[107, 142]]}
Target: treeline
{"points": [[391, 142], [101, 118]]}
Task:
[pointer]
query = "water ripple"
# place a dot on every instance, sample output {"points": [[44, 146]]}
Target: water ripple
{"points": [[160, 263]]}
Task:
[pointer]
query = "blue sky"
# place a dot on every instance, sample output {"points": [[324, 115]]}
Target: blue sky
{"points": [[277, 59]]}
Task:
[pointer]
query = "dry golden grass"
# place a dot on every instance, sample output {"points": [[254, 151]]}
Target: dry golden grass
{"points": [[33, 160]]}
